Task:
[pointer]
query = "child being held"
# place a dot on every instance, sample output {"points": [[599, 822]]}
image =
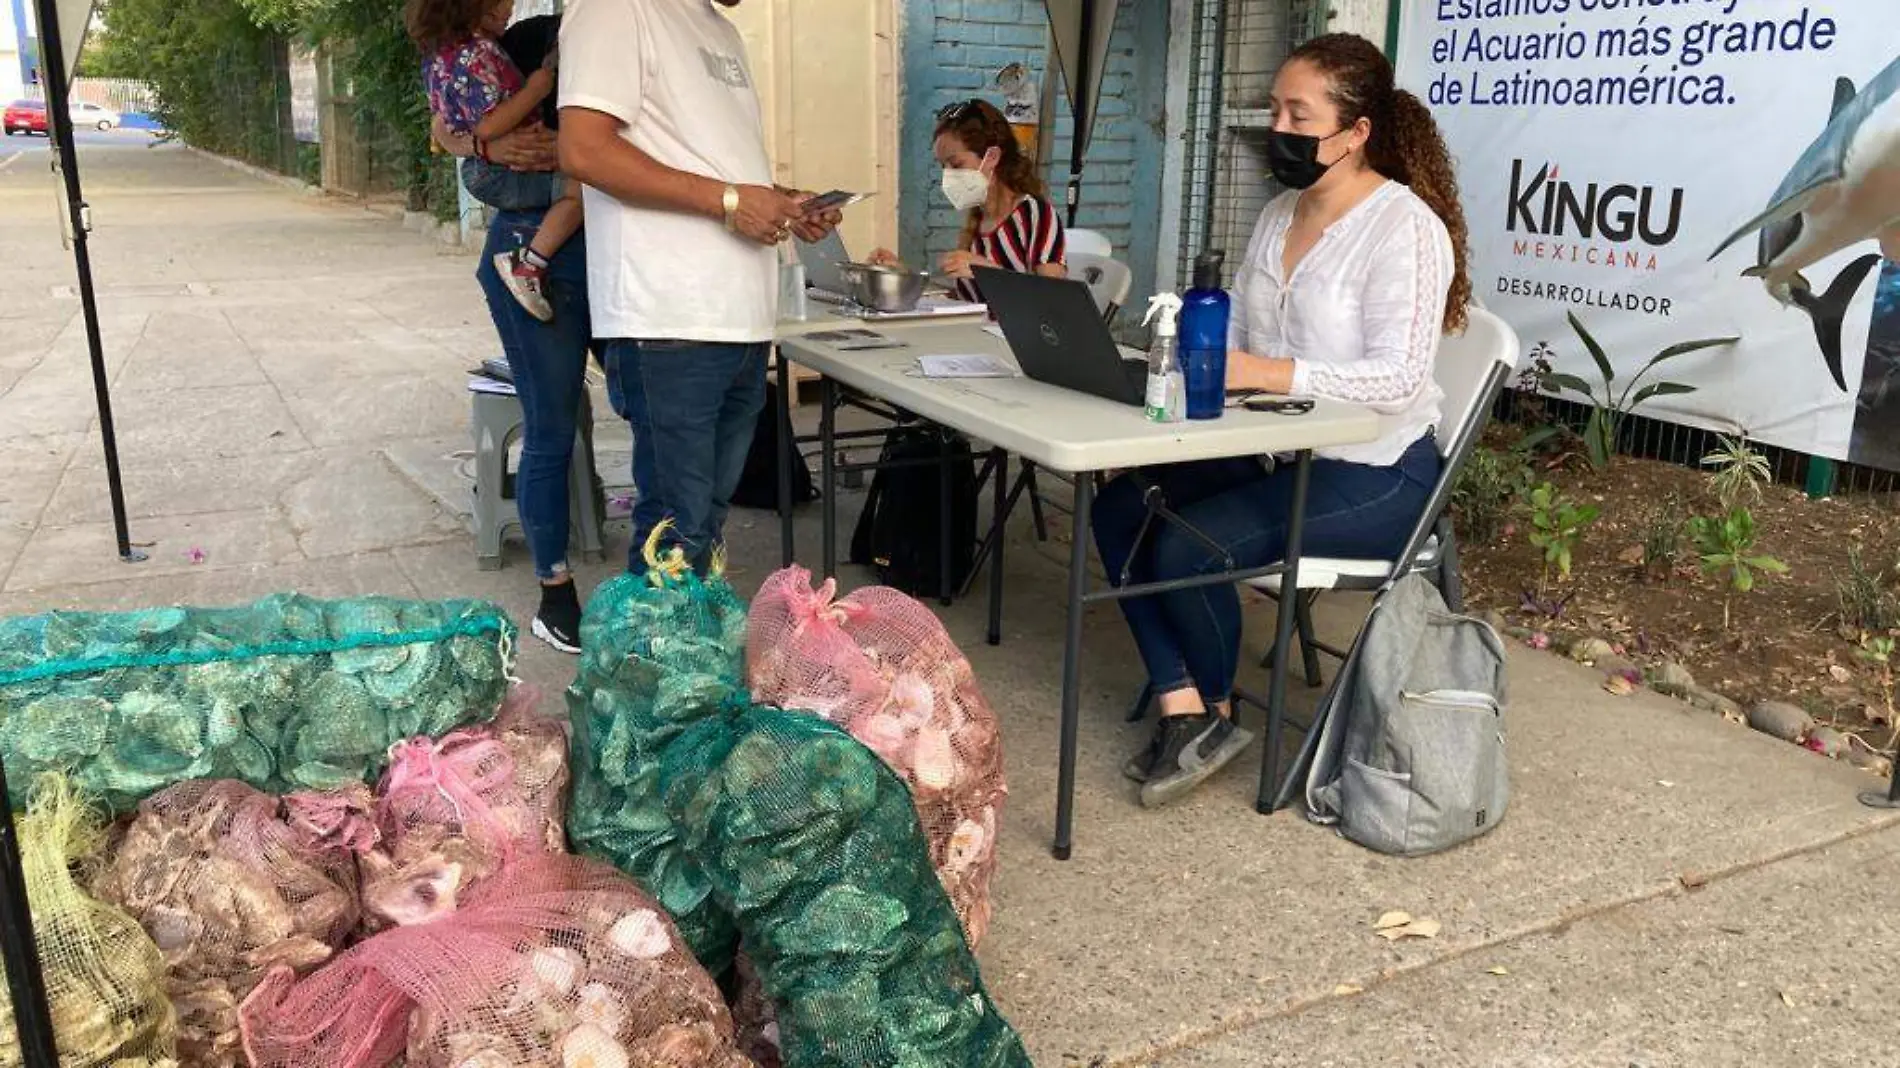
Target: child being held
{"points": [[476, 89]]}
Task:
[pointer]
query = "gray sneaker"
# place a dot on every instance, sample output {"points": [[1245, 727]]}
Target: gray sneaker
{"points": [[1141, 765], [1193, 749]]}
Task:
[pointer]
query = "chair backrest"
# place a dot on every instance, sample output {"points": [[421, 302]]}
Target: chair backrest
{"points": [[1108, 280], [1089, 243], [1471, 369], [1464, 369]]}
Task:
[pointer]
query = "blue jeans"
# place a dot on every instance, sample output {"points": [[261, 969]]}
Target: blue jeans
{"points": [[693, 406], [506, 190], [1192, 637], [549, 363]]}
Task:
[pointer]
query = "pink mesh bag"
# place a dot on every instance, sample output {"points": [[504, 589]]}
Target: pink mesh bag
{"points": [[231, 883], [554, 960], [880, 665], [453, 811]]}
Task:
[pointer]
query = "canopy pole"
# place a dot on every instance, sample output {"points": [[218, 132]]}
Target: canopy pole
{"points": [[78, 224], [1084, 106], [25, 983]]}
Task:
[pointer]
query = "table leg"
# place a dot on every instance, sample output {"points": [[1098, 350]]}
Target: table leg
{"points": [[945, 575], [1072, 667], [999, 516], [828, 470], [787, 452], [1287, 611]]}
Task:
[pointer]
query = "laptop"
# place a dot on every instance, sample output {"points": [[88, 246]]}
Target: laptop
{"points": [[824, 270], [1057, 333]]}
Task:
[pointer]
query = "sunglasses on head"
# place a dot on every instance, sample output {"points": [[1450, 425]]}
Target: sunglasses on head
{"points": [[1256, 401], [959, 111]]}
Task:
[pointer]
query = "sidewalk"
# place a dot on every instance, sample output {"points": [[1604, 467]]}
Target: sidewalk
{"points": [[288, 375]]}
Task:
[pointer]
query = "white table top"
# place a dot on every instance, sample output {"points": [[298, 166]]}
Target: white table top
{"points": [[1060, 429]]}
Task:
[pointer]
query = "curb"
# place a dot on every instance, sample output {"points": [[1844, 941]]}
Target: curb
{"points": [[444, 234]]}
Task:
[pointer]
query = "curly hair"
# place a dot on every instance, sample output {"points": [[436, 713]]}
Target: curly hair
{"points": [[980, 126], [1405, 146], [434, 23]]}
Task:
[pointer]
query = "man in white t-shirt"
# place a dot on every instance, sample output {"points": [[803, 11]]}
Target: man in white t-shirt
{"points": [[660, 121]]}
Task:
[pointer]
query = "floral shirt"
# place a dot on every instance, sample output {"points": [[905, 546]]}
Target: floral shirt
{"points": [[468, 79]]}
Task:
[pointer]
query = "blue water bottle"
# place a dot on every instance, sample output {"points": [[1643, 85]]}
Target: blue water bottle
{"points": [[1204, 339]]}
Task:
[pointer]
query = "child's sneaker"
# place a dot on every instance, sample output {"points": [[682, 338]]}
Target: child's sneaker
{"points": [[526, 282]]}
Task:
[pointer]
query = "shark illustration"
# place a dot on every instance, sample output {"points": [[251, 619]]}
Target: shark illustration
{"points": [[1845, 189]]}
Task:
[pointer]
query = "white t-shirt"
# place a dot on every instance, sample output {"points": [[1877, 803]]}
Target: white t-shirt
{"points": [[675, 73], [1360, 317]]}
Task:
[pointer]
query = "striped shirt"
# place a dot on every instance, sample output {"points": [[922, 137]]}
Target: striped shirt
{"points": [[1029, 238]]}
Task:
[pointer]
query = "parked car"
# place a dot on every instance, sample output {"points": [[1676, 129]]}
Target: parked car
{"points": [[92, 115], [25, 116]]}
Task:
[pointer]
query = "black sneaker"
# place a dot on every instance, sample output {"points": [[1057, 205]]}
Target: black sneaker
{"points": [[1193, 748], [1141, 765], [558, 622]]}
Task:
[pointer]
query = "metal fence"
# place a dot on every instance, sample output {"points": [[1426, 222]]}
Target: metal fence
{"points": [[124, 95], [1655, 439]]}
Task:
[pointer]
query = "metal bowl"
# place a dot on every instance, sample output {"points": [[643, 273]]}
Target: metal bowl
{"points": [[884, 289]]}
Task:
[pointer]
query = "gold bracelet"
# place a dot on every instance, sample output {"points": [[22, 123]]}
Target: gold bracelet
{"points": [[729, 200]]}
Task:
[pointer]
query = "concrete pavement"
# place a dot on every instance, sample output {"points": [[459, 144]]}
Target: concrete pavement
{"points": [[288, 375]]}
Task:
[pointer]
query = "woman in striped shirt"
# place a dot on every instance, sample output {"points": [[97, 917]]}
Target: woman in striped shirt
{"points": [[988, 176]]}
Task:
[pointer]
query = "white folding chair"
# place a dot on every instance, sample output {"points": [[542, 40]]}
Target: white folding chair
{"points": [[1109, 281], [1089, 243], [1471, 369]]}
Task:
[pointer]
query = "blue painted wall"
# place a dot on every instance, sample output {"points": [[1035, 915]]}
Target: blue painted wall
{"points": [[952, 51]]}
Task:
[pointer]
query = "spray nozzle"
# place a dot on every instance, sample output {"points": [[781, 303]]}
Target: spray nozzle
{"points": [[1168, 307]]}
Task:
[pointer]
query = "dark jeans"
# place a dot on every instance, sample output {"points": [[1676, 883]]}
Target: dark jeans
{"points": [[506, 190], [693, 406], [549, 363], [1193, 636]]}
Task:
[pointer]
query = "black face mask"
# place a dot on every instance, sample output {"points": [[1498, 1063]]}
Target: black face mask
{"points": [[1293, 159]]}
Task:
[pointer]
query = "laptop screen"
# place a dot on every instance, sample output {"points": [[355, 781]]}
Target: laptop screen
{"points": [[822, 259]]}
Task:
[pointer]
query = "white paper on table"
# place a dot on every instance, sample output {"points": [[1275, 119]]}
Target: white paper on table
{"points": [[964, 366]]}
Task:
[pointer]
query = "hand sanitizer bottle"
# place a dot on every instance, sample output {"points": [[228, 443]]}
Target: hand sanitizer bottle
{"points": [[1167, 391]]}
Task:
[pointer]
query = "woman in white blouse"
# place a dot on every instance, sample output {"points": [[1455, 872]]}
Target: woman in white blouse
{"points": [[1350, 279]]}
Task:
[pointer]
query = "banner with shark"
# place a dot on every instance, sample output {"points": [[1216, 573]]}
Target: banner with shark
{"points": [[1674, 170]]}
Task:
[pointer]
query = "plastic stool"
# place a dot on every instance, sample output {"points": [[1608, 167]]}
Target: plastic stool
{"points": [[495, 421]]}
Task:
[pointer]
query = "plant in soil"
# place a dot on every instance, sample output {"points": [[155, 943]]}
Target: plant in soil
{"points": [[1737, 472], [1488, 490], [1727, 547], [1605, 427], [1867, 597], [1879, 651], [1662, 539], [1557, 526]]}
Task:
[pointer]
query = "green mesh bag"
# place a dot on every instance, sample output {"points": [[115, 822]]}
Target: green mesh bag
{"points": [[287, 693], [773, 828], [627, 706]]}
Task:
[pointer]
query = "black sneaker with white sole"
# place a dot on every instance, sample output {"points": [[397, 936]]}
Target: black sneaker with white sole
{"points": [[558, 621], [1193, 748], [1141, 765]]}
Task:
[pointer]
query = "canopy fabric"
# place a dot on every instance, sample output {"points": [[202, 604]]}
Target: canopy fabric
{"points": [[74, 18], [1081, 30]]}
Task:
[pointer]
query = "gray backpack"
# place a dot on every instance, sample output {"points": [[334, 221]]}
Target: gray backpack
{"points": [[1411, 757]]}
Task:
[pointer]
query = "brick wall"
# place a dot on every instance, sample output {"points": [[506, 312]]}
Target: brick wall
{"points": [[952, 51]]}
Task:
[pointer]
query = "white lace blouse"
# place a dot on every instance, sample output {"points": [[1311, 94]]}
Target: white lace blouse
{"points": [[1361, 315]]}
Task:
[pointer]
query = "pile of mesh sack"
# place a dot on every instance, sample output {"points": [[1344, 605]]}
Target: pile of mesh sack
{"points": [[104, 977], [450, 812], [232, 883], [880, 665], [553, 960], [287, 693], [769, 828]]}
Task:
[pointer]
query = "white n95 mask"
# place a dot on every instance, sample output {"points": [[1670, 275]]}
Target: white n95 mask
{"points": [[965, 188]]}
